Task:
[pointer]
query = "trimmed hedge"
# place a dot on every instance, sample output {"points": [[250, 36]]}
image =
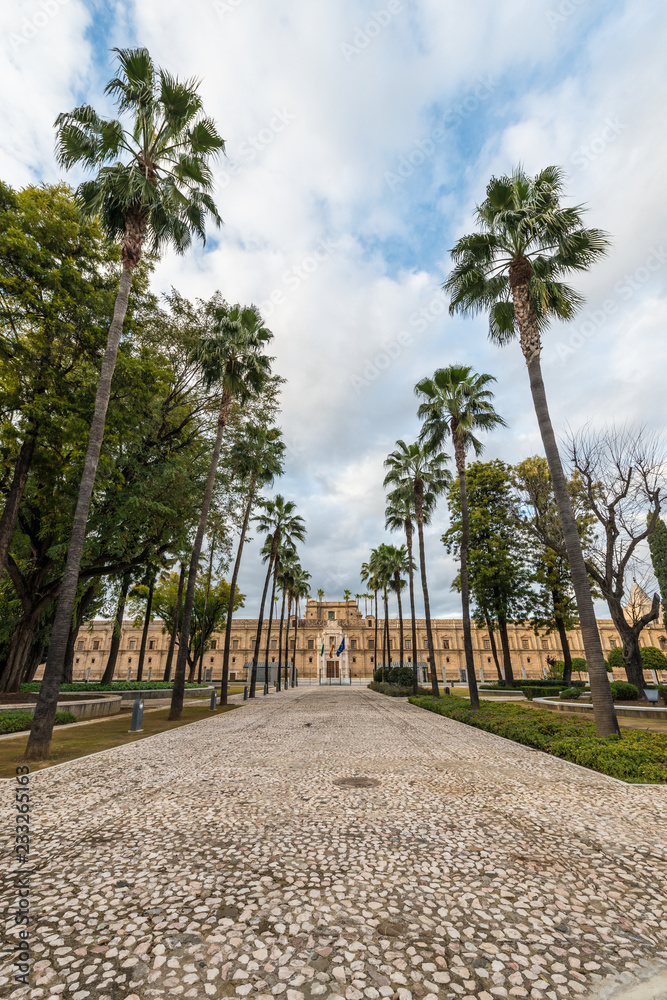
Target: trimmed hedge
{"points": [[522, 684], [394, 675], [396, 690], [570, 694], [16, 722], [634, 756], [529, 689], [622, 691], [34, 686]]}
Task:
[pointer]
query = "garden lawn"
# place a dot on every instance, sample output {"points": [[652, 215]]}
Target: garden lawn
{"points": [[91, 737], [634, 756]]}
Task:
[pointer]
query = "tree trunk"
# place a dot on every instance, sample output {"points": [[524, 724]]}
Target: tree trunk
{"points": [[296, 625], [203, 623], [19, 649], [175, 626], [629, 636], [84, 603], [507, 656], [289, 613], [419, 495], [260, 622], [494, 649], [39, 741], [397, 581], [465, 589], [411, 579], [386, 649], [117, 634], [567, 655], [268, 632], [147, 621], [375, 641], [15, 495], [606, 723], [184, 638], [280, 644], [232, 592], [34, 659]]}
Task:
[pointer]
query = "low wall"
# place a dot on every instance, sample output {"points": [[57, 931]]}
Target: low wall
{"points": [[625, 711], [153, 694], [84, 708]]}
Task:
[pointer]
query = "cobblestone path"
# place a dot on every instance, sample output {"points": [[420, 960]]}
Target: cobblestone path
{"points": [[223, 860]]}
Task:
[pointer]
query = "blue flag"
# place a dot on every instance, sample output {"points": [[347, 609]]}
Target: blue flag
{"points": [[341, 647]]}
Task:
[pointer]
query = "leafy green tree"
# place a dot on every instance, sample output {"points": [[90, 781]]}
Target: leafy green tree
{"points": [[657, 541], [456, 403], [513, 268], [420, 471], [153, 181]]}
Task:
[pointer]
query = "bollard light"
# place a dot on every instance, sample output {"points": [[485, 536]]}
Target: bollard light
{"points": [[137, 716], [214, 700], [245, 693]]}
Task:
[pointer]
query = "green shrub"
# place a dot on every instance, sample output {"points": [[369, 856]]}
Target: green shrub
{"points": [[622, 691], [401, 676], [570, 693], [632, 757], [34, 686], [16, 722], [521, 684], [615, 659], [653, 659], [541, 692], [396, 690]]}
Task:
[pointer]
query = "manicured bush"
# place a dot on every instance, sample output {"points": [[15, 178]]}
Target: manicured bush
{"points": [[34, 686], [633, 756], [622, 691], [569, 694], [396, 690], [541, 692], [653, 659], [16, 722], [523, 684], [401, 676]]}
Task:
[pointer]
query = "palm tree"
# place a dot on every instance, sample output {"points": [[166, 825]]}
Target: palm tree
{"points": [[320, 598], [266, 556], [399, 514], [369, 576], [418, 470], [256, 456], [513, 268], [153, 184], [300, 589], [117, 633], [346, 597], [285, 563], [380, 561], [175, 627], [232, 360], [398, 564], [456, 402], [277, 517]]}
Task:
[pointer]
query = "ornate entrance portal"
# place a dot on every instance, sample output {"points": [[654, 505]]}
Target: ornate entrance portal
{"points": [[332, 662], [333, 669]]}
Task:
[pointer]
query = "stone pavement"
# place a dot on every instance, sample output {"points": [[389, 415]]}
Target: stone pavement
{"points": [[223, 860]]}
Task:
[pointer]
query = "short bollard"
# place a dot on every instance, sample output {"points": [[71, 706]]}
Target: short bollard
{"points": [[88, 674], [266, 687], [214, 700], [150, 671], [129, 672], [245, 693], [137, 716]]}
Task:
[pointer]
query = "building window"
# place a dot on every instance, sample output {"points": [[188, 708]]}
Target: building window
{"points": [[79, 644], [133, 643], [151, 644], [212, 659], [524, 644], [214, 643], [447, 658], [310, 659], [445, 643], [488, 659], [353, 643], [253, 643], [408, 643], [372, 659], [311, 644], [292, 644], [425, 643], [77, 659], [487, 643], [274, 644], [93, 660], [129, 659], [370, 623], [150, 659], [233, 659], [545, 643], [354, 659], [371, 643], [235, 643], [331, 616], [96, 644], [273, 659], [527, 659], [409, 659]]}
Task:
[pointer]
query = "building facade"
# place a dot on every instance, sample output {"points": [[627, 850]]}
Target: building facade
{"points": [[318, 640]]}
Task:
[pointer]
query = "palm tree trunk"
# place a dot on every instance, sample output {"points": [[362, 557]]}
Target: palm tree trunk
{"points": [[289, 612], [419, 494], [386, 648], [260, 622], [280, 643], [397, 581], [268, 631], [507, 656], [86, 600], [39, 741], [203, 624], [184, 638], [606, 723], [147, 621], [15, 495], [175, 626], [296, 624], [117, 634], [494, 648], [232, 592], [375, 641], [415, 675], [465, 587], [567, 654]]}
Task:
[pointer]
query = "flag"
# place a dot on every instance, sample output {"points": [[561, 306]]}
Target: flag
{"points": [[333, 646], [341, 647], [322, 649]]}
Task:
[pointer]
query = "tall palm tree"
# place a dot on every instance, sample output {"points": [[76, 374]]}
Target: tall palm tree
{"points": [[513, 268], [399, 514], [266, 557], [381, 563], [419, 470], [398, 564], [285, 563], [278, 518], [456, 403], [232, 360], [300, 590], [153, 183], [368, 575], [257, 457]]}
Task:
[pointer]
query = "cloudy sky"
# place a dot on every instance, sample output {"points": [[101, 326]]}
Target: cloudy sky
{"points": [[360, 134]]}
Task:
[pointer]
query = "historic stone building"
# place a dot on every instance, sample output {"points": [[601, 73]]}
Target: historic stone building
{"points": [[319, 656]]}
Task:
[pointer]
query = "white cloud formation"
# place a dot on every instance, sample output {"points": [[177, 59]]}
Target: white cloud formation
{"points": [[318, 111]]}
